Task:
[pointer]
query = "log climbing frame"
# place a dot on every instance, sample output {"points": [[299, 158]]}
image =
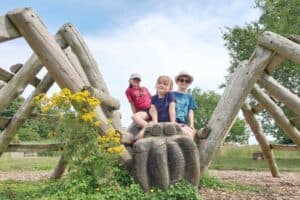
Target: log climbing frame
{"points": [[70, 64]]}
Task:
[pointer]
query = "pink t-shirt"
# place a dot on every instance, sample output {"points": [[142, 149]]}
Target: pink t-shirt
{"points": [[140, 97]]}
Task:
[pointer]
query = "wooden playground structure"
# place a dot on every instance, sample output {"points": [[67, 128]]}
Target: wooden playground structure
{"points": [[70, 64]]}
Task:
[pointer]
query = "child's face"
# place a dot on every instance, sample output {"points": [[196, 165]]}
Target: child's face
{"points": [[162, 87], [135, 82], [183, 83]]}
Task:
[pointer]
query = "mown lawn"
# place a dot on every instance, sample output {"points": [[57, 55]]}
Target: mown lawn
{"points": [[232, 157]]}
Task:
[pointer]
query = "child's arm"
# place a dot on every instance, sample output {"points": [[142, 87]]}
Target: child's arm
{"points": [[153, 113], [172, 112], [191, 118], [132, 107]]}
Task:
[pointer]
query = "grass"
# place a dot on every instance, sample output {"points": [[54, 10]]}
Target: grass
{"points": [[8, 163], [231, 157]]}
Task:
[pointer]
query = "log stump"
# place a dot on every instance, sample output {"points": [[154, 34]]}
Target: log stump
{"points": [[165, 156]]}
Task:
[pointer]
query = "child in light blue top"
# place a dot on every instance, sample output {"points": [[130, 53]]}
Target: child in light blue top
{"points": [[185, 104]]}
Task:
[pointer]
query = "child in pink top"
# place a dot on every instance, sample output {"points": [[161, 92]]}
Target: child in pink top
{"points": [[140, 100]]}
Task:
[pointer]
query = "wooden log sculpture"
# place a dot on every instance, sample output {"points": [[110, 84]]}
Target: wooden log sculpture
{"points": [[165, 156]]}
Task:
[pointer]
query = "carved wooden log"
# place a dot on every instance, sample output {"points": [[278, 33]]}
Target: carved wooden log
{"points": [[165, 156], [15, 68], [295, 121], [75, 41], [257, 108], [295, 38], [6, 76], [32, 147], [18, 83], [230, 103], [51, 54], [285, 147], [282, 94], [274, 63], [7, 30], [22, 114], [76, 65], [277, 114], [281, 45], [260, 137]]}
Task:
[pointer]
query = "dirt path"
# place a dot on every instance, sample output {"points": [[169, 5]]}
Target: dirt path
{"points": [[287, 187]]}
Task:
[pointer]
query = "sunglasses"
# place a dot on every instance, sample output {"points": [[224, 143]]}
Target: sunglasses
{"points": [[184, 80]]}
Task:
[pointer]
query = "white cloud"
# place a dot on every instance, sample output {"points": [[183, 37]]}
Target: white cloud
{"points": [[158, 42]]}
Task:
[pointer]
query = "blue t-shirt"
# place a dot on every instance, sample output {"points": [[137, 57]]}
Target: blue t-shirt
{"points": [[184, 103], [162, 106]]}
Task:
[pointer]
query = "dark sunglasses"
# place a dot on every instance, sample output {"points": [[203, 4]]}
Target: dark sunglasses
{"points": [[184, 80]]}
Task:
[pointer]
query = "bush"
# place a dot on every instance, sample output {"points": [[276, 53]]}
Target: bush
{"points": [[27, 134]]}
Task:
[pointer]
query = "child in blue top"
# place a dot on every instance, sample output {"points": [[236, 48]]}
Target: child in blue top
{"points": [[162, 104], [185, 104]]}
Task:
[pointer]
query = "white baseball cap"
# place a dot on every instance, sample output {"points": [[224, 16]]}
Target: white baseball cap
{"points": [[135, 76]]}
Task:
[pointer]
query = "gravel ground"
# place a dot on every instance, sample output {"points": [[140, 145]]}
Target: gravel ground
{"points": [[286, 187]]}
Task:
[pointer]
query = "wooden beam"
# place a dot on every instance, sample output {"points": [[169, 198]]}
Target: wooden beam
{"points": [[15, 68], [60, 168], [51, 55], [282, 94], [19, 81], [281, 45], [23, 113], [260, 137], [230, 103], [88, 63], [285, 147], [278, 115], [7, 30], [257, 108], [274, 63], [4, 121], [5, 75], [295, 38], [32, 147], [295, 121]]}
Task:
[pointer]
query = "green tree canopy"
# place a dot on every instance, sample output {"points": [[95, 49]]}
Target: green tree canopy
{"points": [[280, 16], [207, 102]]}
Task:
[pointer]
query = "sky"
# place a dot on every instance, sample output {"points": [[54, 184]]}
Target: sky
{"points": [[151, 37]]}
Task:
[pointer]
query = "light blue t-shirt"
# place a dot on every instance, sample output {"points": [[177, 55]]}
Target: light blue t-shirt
{"points": [[184, 103]]}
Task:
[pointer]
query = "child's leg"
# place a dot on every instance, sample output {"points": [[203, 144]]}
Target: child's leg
{"points": [[188, 131], [140, 118]]}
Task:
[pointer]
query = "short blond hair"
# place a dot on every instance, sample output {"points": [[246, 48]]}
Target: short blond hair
{"points": [[165, 79]]}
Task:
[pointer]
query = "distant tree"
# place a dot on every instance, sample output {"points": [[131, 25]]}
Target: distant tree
{"points": [[207, 102], [280, 16]]}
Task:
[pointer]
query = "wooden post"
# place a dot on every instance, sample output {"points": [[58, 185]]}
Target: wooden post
{"points": [[281, 45], [281, 93], [260, 137], [32, 147], [7, 30], [257, 108], [15, 68], [274, 63], [60, 168], [287, 147], [23, 113], [278, 115], [230, 103], [18, 83], [295, 121], [295, 38]]}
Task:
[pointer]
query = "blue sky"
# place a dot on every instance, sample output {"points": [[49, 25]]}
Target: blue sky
{"points": [[151, 37]]}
